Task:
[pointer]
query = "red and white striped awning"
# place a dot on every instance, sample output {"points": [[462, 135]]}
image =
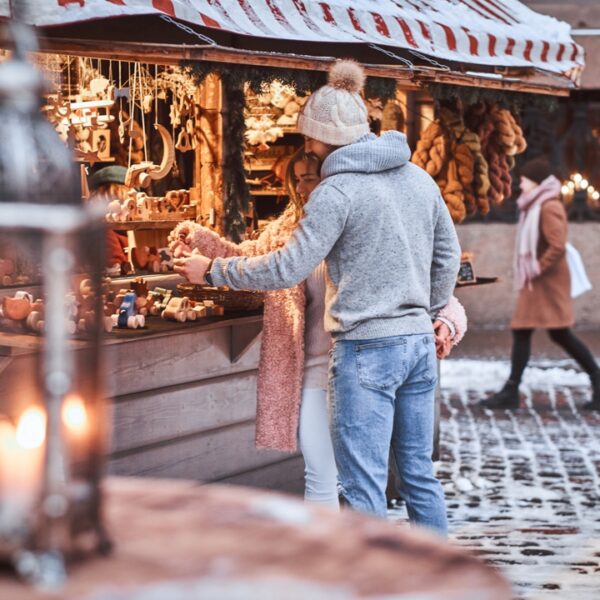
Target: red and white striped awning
{"points": [[481, 32]]}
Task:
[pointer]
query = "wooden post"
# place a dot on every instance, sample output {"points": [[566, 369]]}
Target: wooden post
{"points": [[411, 119], [208, 172]]}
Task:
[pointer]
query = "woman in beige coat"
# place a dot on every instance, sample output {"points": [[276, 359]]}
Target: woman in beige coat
{"points": [[544, 282]]}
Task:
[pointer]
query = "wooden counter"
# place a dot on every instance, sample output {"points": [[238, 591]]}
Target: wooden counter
{"points": [[184, 401]]}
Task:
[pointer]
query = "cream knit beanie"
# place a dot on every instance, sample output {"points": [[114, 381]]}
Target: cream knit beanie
{"points": [[336, 114]]}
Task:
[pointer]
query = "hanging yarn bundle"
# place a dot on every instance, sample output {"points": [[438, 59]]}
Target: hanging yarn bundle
{"points": [[471, 155], [431, 152], [452, 191], [449, 160], [501, 139]]}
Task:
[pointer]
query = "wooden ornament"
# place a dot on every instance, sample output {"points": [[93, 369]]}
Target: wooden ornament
{"points": [[16, 309], [176, 309], [184, 142], [168, 158]]}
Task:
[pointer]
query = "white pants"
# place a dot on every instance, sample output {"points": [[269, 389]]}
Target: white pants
{"points": [[320, 472]]}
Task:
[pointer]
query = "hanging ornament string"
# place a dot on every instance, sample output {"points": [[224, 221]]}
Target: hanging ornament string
{"points": [[81, 73], [142, 115], [131, 110], [173, 100], [155, 95], [69, 77]]}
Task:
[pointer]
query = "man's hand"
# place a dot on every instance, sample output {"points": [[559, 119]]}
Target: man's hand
{"points": [[193, 266], [443, 339]]}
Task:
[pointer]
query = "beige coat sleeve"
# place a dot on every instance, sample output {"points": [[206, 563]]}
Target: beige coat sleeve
{"points": [[553, 229]]}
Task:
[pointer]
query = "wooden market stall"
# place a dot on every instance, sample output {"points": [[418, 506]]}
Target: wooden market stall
{"points": [[184, 393]]}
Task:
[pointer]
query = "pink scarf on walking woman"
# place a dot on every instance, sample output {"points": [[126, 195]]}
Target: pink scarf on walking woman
{"points": [[527, 266]]}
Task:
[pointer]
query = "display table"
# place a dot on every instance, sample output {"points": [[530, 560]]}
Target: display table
{"points": [[175, 540], [184, 400]]}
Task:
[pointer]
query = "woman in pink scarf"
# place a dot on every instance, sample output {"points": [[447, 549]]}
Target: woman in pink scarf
{"points": [[544, 283]]}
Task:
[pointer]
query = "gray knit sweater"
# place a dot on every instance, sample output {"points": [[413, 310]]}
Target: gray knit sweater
{"points": [[385, 233]]}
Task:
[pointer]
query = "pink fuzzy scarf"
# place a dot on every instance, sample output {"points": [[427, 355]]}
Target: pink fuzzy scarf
{"points": [[527, 266], [281, 367]]}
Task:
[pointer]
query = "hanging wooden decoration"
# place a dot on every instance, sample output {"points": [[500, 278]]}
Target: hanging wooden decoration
{"points": [[142, 174]]}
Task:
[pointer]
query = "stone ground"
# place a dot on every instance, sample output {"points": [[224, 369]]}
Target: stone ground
{"points": [[523, 487]]}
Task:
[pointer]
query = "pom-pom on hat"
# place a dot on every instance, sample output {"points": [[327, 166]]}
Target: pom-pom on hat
{"points": [[336, 114]]}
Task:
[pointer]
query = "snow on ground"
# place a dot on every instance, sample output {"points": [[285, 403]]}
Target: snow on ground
{"points": [[490, 375], [523, 487]]}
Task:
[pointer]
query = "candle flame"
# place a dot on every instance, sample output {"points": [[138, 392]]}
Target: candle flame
{"points": [[31, 429], [74, 414]]}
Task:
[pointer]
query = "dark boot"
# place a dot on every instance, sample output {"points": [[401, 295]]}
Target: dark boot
{"points": [[507, 397], [594, 403]]}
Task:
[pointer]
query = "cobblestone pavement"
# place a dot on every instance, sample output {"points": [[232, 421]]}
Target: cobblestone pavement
{"points": [[523, 487]]}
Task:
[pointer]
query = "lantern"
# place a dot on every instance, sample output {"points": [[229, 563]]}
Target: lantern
{"points": [[52, 411]]}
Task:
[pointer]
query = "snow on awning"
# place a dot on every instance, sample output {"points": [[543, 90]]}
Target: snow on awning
{"points": [[502, 33]]}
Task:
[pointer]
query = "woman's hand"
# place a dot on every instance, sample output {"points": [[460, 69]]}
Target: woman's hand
{"points": [[180, 244], [443, 339], [180, 248], [193, 266]]}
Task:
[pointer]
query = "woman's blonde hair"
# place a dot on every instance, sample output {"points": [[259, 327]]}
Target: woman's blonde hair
{"points": [[291, 181]]}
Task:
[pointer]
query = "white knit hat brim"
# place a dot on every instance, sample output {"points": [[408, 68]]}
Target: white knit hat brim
{"points": [[330, 133]]}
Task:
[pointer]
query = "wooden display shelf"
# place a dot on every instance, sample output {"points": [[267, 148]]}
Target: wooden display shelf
{"points": [[133, 225], [271, 192], [165, 280], [15, 343], [478, 281]]}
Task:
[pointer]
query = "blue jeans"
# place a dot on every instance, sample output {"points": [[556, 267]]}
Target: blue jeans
{"points": [[382, 393]]}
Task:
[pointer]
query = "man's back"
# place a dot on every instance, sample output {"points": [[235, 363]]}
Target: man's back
{"points": [[380, 268]]}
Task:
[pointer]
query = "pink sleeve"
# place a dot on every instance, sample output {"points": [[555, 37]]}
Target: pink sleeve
{"points": [[454, 312], [208, 242], [211, 244]]}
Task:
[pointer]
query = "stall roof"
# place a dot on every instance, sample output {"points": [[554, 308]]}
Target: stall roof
{"points": [[485, 33]]}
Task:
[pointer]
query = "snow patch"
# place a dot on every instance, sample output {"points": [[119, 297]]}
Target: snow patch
{"points": [[464, 374]]}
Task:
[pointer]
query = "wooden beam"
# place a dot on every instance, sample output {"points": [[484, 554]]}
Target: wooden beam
{"points": [[171, 54]]}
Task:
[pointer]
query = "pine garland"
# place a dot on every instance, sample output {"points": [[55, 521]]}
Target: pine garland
{"points": [[236, 189], [258, 78], [303, 82], [513, 101]]}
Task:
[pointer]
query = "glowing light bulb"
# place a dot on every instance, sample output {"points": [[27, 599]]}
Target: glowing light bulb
{"points": [[577, 177], [74, 414], [583, 183], [31, 429], [571, 184], [596, 195], [565, 189]]}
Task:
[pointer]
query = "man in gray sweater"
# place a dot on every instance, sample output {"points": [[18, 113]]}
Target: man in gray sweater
{"points": [[392, 258]]}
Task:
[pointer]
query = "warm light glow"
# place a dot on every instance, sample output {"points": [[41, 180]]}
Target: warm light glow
{"points": [[74, 414], [596, 195], [577, 177], [7, 435], [565, 189], [584, 183], [31, 429], [571, 184]]}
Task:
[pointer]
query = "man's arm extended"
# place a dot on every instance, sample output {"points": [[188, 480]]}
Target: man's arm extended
{"points": [[316, 233]]}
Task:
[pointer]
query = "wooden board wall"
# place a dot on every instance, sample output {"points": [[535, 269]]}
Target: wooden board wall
{"points": [[183, 409]]}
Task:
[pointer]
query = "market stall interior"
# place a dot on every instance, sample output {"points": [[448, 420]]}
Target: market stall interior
{"points": [[176, 114]]}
